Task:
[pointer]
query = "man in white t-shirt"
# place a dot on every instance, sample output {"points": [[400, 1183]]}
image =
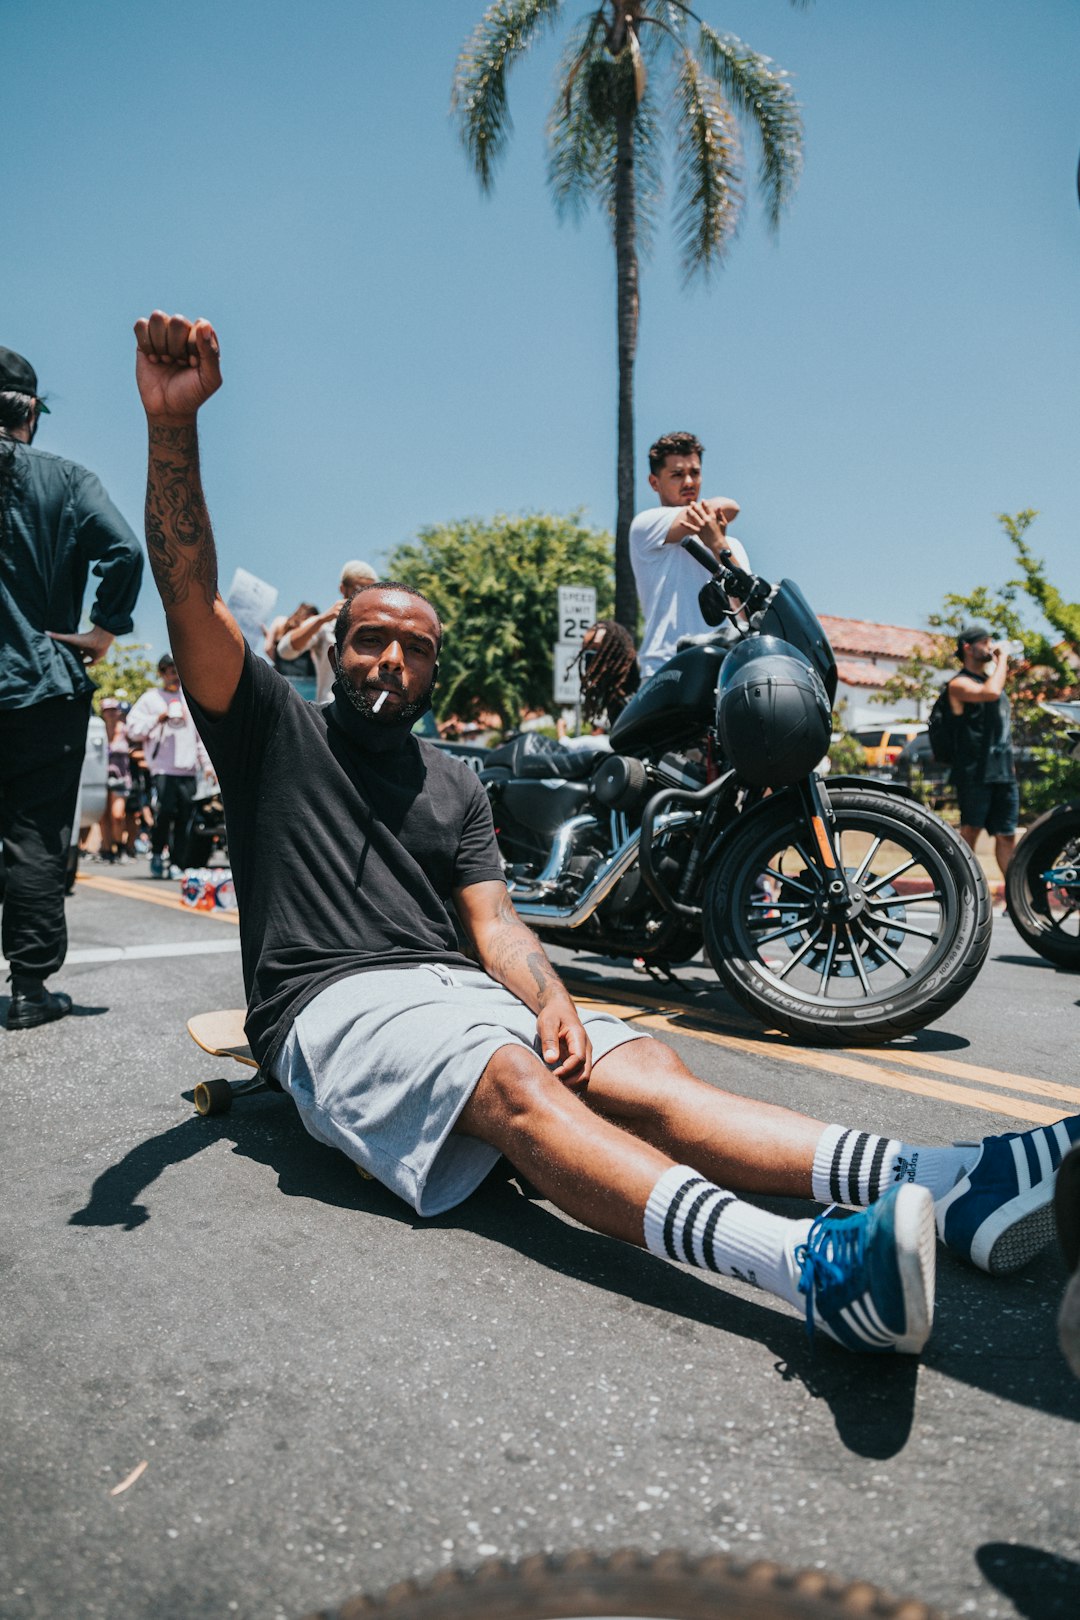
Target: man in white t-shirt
{"points": [[316, 635], [668, 579]]}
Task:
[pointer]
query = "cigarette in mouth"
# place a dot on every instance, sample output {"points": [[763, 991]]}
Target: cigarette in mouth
{"points": [[379, 701]]}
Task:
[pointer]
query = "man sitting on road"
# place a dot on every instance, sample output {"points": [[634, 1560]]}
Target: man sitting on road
{"points": [[668, 579], [424, 1067]]}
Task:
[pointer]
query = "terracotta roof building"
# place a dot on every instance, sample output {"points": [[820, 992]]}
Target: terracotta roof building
{"points": [[866, 655]]}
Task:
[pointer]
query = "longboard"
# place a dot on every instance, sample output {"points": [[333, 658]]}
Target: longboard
{"points": [[222, 1035]]}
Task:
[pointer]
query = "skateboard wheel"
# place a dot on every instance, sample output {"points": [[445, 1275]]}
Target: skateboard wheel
{"points": [[213, 1097]]}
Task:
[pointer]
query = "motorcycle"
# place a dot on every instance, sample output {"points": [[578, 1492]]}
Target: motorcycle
{"points": [[836, 910], [1042, 885]]}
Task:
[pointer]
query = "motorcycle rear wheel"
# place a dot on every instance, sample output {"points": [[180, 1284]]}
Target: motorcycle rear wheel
{"points": [[1044, 915], [912, 946]]}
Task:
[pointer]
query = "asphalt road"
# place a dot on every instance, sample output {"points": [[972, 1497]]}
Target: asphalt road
{"points": [[325, 1394]]}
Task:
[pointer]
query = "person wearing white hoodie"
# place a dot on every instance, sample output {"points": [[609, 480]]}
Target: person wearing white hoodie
{"points": [[162, 722]]}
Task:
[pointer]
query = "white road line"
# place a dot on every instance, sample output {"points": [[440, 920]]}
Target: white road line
{"points": [[130, 953]]}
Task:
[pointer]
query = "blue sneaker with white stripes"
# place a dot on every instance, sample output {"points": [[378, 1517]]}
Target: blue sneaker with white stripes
{"points": [[1000, 1214], [869, 1278]]}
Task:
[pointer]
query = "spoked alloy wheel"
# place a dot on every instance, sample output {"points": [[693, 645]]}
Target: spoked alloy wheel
{"points": [[908, 946], [1042, 889]]}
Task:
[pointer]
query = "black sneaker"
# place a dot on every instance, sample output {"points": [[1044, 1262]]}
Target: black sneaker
{"points": [[30, 1008]]}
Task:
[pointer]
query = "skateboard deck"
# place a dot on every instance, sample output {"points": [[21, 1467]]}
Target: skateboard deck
{"points": [[222, 1035]]}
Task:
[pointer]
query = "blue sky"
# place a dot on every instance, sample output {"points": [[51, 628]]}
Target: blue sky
{"points": [[873, 384]]}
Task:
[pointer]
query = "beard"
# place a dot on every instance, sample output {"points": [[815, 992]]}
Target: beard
{"points": [[362, 700]]}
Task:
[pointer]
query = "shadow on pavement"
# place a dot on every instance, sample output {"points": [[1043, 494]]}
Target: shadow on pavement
{"points": [[1034, 961], [997, 1335], [1041, 1585]]}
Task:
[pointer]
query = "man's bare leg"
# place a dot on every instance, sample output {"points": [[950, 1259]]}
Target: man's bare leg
{"points": [[645, 1087], [597, 1173], [1004, 848], [870, 1281]]}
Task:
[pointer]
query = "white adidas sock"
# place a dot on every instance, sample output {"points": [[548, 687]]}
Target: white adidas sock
{"points": [[690, 1219], [856, 1167]]}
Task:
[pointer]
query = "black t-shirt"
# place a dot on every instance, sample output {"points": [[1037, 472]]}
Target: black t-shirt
{"points": [[344, 856], [984, 752]]}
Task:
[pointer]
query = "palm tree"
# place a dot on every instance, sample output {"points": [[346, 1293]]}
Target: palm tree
{"points": [[627, 63]]}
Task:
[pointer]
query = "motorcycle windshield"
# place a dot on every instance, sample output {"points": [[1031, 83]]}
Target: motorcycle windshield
{"points": [[790, 616]]}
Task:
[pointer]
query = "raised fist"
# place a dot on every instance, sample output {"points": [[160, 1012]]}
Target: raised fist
{"points": [[177, 366]]}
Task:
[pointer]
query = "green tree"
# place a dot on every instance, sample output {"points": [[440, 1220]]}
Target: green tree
{"points": [[1043, 673], [1063, 654], [126, 670], [916, 681], [494, 585], [630, 67]]}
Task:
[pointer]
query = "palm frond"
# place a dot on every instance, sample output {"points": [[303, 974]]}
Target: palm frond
{"points": [[478, 100], [762, 95], [648, 174], [581, 146], [672, 14], [577, 144], [708, 177]]}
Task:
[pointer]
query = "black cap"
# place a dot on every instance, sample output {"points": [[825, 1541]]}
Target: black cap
{"points": [[972, 632], [18, 376], [166, 661]]}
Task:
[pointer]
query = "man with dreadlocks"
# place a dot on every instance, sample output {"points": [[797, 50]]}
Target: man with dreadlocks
{"points": [[56, 522], [609, 671]]}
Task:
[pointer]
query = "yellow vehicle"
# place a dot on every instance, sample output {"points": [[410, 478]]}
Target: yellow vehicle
{"points": [[883, 743]]}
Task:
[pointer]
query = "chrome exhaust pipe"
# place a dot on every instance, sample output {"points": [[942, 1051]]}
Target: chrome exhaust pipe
{"points": [[613, 870]]}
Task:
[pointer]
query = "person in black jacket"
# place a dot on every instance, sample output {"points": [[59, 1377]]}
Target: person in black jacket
{"points": [[56, 524]]}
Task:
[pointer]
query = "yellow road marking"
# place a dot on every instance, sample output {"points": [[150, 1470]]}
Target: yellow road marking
{"points": [[154, 897], [868, 1064], [974, 1071], [682, 1021]]}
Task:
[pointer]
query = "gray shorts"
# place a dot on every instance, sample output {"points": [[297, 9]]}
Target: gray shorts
{"points": [[381, 1064]]}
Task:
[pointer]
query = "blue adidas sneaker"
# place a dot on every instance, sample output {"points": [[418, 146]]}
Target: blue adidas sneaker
{"points": [[869, 1278], [1000, 1214]]}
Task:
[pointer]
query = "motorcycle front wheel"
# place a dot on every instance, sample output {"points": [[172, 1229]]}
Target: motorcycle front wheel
{"points": [[912, 942], [1042, 886]]}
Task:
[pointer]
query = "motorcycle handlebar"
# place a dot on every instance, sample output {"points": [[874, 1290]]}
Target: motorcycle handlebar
{"points": [[748, 588]]}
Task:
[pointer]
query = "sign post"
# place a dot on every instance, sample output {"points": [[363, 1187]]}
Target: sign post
{"points": [[577, 611]]}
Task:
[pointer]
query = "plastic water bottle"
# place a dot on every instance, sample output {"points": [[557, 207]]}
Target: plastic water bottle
{"points": [[224, 891]]}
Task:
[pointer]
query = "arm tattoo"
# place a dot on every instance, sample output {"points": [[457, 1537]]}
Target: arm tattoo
{"points": [[511, 947], [179, 540]]}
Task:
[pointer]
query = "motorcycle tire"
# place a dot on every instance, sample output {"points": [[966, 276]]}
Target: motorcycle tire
{"points": [[669, 1586], [1054, 933], [751, 902]]}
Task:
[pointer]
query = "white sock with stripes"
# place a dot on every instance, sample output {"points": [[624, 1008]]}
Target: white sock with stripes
{"points": [[690, 1219], [856, 1167]]}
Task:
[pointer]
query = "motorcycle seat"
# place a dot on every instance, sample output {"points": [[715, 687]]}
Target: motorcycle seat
{"points": [[721, 637], [535, 757]]}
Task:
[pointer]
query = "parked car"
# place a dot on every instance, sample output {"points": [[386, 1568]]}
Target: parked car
{"points": [[884, 744], [916, 759]]}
